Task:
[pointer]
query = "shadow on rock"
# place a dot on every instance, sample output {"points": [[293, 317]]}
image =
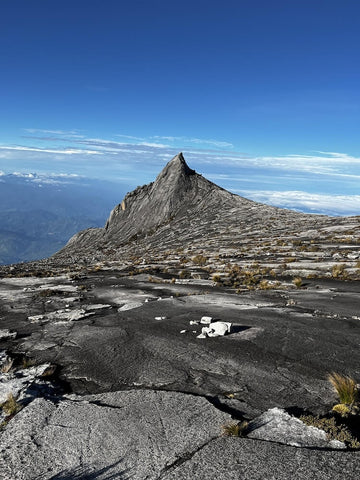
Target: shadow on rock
{"points": [[109, 472], [239, 328]]}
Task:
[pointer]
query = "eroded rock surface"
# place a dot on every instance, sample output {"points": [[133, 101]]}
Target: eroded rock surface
{"points": [[136, 434]]}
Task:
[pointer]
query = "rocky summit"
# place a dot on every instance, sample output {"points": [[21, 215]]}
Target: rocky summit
{"points": [[198, 335]]}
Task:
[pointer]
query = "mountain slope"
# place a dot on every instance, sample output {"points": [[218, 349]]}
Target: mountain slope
{"points": [[183, 210]]}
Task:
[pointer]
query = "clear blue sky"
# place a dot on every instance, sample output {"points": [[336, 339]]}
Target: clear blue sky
{"points": [[262, 96]]}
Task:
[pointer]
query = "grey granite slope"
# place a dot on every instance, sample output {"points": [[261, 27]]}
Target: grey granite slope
{"points": [[239, 458], [134, 434], [144, 434]]}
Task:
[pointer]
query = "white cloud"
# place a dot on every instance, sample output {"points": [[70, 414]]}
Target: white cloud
{"points": [[68, 151], [155, 145], [316, 202], [48, 178], [72, 133], [131, 137], [324, 164], [216, 143]]}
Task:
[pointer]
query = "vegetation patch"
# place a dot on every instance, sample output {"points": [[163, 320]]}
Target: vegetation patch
{"points": [[199, 260], [345, 387], [334, 430], [298, 282], [338, 271], [10, 407], [235, 429]]}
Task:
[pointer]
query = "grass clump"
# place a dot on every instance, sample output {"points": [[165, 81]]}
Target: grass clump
{"points": [[7, 365], [216, 278], [345, 387], [338, 271], [199, 260], [235, 429], [184, 274], [11, 406], [297, 282], [27, 362]]}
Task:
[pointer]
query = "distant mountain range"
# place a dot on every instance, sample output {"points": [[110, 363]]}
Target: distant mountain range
{"points": [[40, 213]]}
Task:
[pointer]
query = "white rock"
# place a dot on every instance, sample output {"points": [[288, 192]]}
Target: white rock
{"points": [[194, 322], [5, 334], [160, 318], [206, 320], [201, 336], [129, 306], [217, 329], [276, 425], [183, 331], [36, 318], [96, 306]]}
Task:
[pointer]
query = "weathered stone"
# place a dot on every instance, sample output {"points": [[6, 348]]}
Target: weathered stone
{"points": [[139, 432], [216, 329], [276, 425], [6, 334], [241, 458]]}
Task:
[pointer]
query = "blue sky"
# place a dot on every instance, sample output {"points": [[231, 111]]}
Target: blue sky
{"points": [[262, 96]]}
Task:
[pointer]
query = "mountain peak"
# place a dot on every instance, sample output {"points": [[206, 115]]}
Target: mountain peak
{"points": [[178, 192], [176, 167]]}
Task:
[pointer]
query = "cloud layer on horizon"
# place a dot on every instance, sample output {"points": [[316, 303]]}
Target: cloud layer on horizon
{"points": [[318, 181], [310, 202]]}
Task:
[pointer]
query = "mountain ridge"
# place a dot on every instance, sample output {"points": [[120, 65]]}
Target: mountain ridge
{"points": [[181, 208], [177, 191]]}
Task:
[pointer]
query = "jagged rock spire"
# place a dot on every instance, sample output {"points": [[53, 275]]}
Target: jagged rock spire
{"points": [[176, 167], [178, 192]]}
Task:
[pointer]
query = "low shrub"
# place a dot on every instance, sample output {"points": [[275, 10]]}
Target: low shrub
{"points": [[332, 429]]}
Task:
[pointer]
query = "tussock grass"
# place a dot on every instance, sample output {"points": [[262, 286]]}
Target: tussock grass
{"points": [[345, 387], [199, 259], [7, 365], [11, 406], [234, 429], [297, 282], [338, 271]]}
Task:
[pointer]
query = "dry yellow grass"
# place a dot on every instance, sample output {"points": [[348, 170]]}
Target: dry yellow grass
{"points": [[345, 387], [11, 406]]}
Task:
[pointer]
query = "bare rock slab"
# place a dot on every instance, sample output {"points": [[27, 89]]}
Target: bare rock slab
{"points": [[130, 434], [241, 458], [276, 425]]}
